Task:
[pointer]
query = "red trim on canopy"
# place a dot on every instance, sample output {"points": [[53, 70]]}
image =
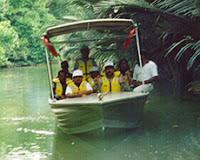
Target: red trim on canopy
{"points": [[128, 40], [50, 47]]}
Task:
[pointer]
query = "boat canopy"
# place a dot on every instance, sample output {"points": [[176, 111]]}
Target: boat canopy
{"points": [[95, 24]]}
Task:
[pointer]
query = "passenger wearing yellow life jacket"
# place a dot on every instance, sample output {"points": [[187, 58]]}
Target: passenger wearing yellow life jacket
{"points": [[85, 63], [94, 72], [110, 82], [78, 87], [59, 85]]}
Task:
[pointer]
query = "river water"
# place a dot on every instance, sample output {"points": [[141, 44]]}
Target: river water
{"points": [[171, 128]]}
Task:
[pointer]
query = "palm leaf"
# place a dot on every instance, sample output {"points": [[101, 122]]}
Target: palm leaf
{"points": [[182, 50], [174, 45], [104, 6], [196, 45], [178, 7], [193, 58]]}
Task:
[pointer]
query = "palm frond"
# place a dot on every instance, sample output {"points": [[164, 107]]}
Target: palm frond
{"points": [[115, 5], [164, 35], [71, 18], [193, 58], [182, 51], [196, 45], [174, 45], [178, 7]]}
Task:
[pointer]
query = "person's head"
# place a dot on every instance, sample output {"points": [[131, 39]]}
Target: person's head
{"points": [[144, 56], [77, 76], [123, 65], [85, 51], [62, 76], [94, 72], [64, 66], [109, 69]]}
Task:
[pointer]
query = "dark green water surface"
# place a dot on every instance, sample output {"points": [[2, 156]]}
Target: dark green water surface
{"points": [[171, 129]]}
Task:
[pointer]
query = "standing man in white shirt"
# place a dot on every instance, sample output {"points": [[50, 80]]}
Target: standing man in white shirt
{"points": [[148, 73], [78, 87]]}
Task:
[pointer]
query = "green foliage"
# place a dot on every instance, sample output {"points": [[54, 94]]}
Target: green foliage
{"points": [[3, 59], [9, 42], [113, 6], [21, 30], [184, 8], [186, 42], [71, 10], [30, 17], [4, 9]]}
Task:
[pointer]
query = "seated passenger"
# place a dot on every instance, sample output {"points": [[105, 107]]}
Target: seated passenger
{"points": [[148, 73], [59, 85], [125, 70], [110, 82], [94, 72], [78, 87], [65, 68]]}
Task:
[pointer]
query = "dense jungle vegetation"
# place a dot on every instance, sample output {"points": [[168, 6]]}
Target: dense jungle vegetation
{"points": [[169, 30]]}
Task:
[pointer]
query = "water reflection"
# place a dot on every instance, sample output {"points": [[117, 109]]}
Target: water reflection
{"points": [[26, 137], [92, 145], [27, 123]]}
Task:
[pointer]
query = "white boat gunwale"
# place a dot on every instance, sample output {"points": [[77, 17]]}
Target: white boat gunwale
{"points": [[79, 101]]}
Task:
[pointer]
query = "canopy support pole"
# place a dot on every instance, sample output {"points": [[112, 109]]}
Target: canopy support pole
{"points": [[139, 53], [49, 73]]}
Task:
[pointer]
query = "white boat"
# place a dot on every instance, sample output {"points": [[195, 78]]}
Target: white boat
{"points": [[114, 110]]}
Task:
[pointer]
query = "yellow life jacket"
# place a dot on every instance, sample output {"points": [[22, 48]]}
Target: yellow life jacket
{"points": [[68, 81], [85, 67], [59, 88], [75, 88], [91, 81], [117, 73], [114, 86]]}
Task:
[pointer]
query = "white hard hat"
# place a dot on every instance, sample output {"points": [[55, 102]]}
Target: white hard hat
{"points": [[109, 63], [77, 72], [94, 69]]}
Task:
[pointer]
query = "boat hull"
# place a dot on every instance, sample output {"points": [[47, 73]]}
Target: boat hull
{"points": [[116, 110]]}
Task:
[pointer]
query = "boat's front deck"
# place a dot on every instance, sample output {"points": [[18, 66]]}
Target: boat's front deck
{"points": [[94, 99]]}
